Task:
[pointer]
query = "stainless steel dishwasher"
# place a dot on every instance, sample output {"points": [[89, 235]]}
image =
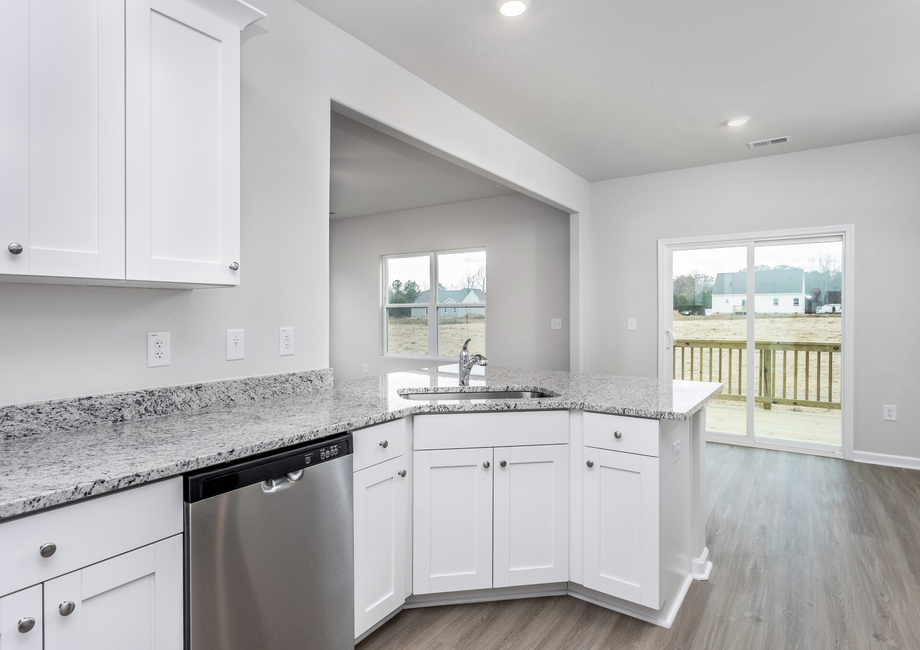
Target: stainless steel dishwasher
{"points": [[270, 552]]}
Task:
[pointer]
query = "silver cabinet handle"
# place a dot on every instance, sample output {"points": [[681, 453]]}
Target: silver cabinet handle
{"points": [[26, 624], [234, 266], [617, 435], [66, 608], [503, 464], [293, 477], [47, 549], [384, 444], [402, 473], [16, 248], [590, 463], [486, 464]]}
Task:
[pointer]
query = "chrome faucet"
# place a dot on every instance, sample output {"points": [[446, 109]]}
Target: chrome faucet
{"points": [[467, 362]]}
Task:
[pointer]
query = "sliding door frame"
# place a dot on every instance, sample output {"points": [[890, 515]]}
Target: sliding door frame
{"points": [[665, 315]]}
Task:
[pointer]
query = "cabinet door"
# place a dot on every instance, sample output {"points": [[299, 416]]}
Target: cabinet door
{"points": [[452, 520], [21, 620], [62, 124], [130, 601], [531, 521], [621, 525], [183, 144], [380, 541]]}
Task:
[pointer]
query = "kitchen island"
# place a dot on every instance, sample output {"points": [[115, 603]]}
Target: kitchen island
{"points": [[61, 452]]}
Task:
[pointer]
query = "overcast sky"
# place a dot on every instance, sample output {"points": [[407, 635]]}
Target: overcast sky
{"points": [[712, 261], [452, 269]]}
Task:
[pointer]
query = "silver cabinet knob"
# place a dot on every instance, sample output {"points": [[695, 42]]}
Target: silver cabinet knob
{"points": [[66, 608], [384, 444], [503, 464], [617, 435], [234, 266], [16, 248], [402, 473], [486, 464], [26, 624], [590, 463], [47, 549]]}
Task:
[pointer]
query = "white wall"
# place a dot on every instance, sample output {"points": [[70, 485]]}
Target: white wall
{"points": [[60, 341], [527, 251], [875, 185]]}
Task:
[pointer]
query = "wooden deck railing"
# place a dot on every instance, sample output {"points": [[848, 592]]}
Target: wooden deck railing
{"points": [[803, 378]]}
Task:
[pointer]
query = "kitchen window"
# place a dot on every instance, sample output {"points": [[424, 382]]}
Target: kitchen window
{"points": [[419, 321]]}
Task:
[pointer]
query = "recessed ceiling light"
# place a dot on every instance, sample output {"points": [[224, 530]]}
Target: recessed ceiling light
{"points": [[738, 121], [512, 8]]}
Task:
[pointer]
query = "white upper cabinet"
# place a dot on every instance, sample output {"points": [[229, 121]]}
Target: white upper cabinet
{"points": [[62, 165], [183, 147], [120, 124]]}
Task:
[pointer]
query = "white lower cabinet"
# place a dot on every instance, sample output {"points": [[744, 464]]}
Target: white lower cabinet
{"points": [[130, 601], [621, 525], [102, 574], [381, 502], [21, 620], [489, 517], [452, 520]]}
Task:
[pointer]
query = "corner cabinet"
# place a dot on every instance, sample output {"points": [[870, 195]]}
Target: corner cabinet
{"points": [[494, 516], [121, 127]]}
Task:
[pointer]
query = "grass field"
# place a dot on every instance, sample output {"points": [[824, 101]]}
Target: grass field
{"points": [[767, 328], [410, 336]]}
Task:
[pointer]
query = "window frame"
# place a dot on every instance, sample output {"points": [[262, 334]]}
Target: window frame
{"points": [[431, 305]]}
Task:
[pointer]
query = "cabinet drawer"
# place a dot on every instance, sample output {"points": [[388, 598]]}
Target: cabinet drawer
{"points": [[637, 435], [379, 443], [87, 532]]}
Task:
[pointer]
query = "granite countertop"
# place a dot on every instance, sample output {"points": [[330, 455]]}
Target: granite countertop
{"points": [[44, 468]]}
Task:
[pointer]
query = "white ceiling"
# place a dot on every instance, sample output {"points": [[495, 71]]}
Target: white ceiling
{"points": [[614, 88], [374, 173]]}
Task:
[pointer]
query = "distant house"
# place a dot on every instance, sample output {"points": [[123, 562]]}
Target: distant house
{"points": [[775, 292], [456, 297]]}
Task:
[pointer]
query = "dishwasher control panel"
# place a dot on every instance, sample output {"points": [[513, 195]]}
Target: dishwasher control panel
{"points": [[225, 478]]}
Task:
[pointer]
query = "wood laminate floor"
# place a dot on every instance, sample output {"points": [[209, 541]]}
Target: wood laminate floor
{"points": [[808, 552]]}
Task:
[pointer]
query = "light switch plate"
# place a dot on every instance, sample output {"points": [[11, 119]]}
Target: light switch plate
{"points": [[236, 344], [555, 323], [158, 353], [675, 452], [286, 342], [631, 324]]}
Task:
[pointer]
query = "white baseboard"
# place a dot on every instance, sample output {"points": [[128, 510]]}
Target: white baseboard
{"points": [[662, 618], [888, 460], [702, 567], [486, 595]]}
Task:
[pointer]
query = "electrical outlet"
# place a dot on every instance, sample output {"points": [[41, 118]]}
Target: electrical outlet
{"points": [[555, 323], [236, 344], [286, 342], [158, 353], [675, 452], [631, 324], [365, 368], [890, 412]]}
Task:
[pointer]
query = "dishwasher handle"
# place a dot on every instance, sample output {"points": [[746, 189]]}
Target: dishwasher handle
{"points": [[281, 483]]}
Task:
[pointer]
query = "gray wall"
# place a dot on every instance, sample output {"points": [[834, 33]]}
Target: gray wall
{"points": [[527, 250], [875, 185]]}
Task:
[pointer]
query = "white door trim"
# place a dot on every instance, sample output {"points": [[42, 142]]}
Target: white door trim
{"points": [[847, 231]]}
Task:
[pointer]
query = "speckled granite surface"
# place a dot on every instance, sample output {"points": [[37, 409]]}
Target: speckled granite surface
{"points": [[46, 469], [78, 413]]}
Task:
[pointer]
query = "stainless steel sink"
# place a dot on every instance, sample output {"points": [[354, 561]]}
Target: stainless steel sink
{"points": [[477, 394]]}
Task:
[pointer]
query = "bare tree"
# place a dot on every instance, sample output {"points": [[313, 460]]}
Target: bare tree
{"points": [[476, 279]]}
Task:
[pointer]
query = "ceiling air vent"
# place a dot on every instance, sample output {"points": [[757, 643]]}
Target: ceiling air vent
{"points": [[767, 143]]}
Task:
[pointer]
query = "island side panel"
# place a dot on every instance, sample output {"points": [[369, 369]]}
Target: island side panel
{"points": [[700, 554]]}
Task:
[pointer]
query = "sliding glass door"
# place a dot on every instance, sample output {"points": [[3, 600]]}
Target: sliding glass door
{"points": [[773, 337]]}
